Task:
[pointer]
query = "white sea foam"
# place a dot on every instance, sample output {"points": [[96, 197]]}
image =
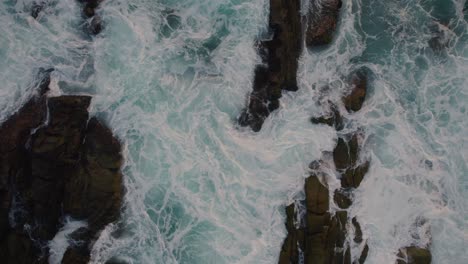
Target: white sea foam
{"points": [[59, 244]]}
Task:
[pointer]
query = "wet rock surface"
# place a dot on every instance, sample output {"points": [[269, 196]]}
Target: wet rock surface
{"points": [[36, 8], [414, 255], [322, 21], [55, 163], [354, 100], [333, 118], [94, 21], [321, 237], [279, 63], [326, 234]]}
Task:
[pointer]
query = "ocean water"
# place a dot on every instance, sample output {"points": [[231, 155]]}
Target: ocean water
{"points": [[171, 76]]}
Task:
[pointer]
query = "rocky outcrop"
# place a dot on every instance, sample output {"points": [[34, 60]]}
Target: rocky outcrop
{"points": [[320, 237], [414, 255], [15, 245], [323, 235], [94, 21], [354, 100], [55, 162], [36, 8], [279, 62], [333, 118], [322, 21], [280, 55]]}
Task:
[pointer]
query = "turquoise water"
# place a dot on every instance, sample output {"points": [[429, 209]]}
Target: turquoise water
{"points": [[170, 78]]}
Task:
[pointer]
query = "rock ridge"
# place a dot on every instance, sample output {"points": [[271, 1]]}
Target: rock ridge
{"points": [[280, 55]]}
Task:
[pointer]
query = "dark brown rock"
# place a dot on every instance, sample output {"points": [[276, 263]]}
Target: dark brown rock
{"points": [[321, 237], [94, 25], [79, 252], [280, 62], [333, 118], [322, 22], [354, 100], [414, 255], [55, 151], [66, 166], [354, 176], [364, 253], [15, 243], [342, 199], [289, 251], [345, 153], [317, 200], [95, 190], [357, 230]]}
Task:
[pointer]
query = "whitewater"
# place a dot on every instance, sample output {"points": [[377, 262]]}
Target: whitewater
{"points": [[170, 77]]}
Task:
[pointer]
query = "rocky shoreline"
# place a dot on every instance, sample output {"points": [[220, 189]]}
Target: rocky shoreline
{"points": [[281, 53], [56, 162], [323, 234], [319, 228]]}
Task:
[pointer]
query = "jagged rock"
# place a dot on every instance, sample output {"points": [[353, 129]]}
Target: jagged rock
{"points": [[414, 255], [364, 253], [94, 25], [317, 200], [354, 176], [19, 249], [337, 234], [289, 251], [280, 62], [94, 192], [67, 166], [55, 151], [322, 237], [333, 119], [322, 22], [79, 250], [357, 230], [36, 8], [345, 153], [354, 100], [15, 245], [342, 199]]}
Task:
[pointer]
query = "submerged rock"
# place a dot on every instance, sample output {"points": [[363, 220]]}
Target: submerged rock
{"points": [[36, 8], [414, 255], [322, 21], [333, 119], [280, 62], [441, 36], [94, 25], [66, 166], [345, 153]]}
